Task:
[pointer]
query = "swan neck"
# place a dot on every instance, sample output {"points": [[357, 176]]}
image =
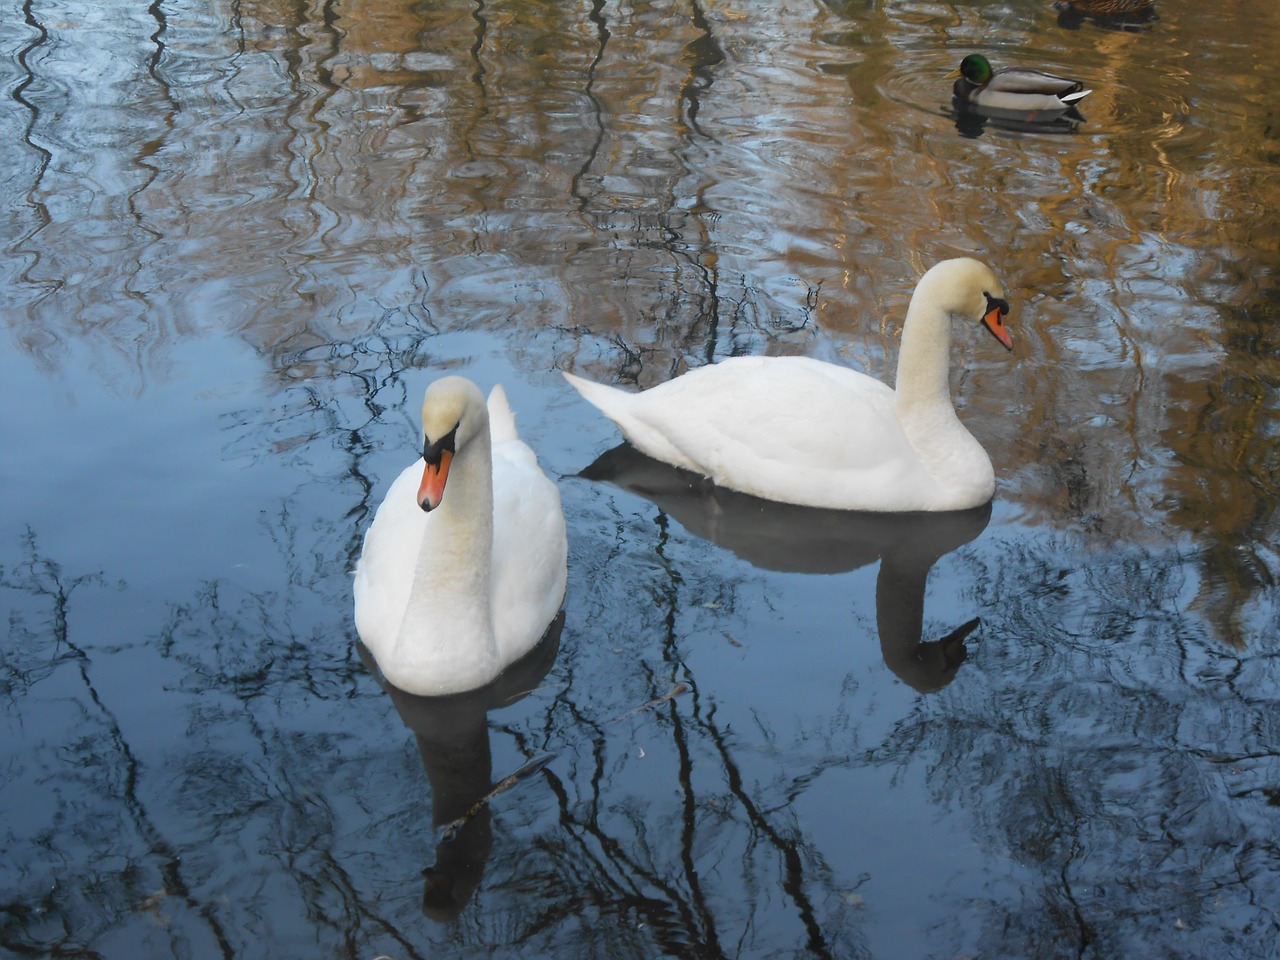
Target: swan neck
{"points": [[924, 359], [454, 559]]}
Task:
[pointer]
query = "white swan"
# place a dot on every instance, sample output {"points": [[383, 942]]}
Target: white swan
{"points": [[811, 433], [454, 584]]}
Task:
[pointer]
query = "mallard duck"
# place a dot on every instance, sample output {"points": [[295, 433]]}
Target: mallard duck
{"points": [[798, 430], [453, 587], [1013, 88]]}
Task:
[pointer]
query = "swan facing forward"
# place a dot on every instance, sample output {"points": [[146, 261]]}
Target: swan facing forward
{"points": [[816, 434], [464, 565]]}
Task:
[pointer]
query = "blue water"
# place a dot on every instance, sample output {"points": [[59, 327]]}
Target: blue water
{"points": [[239, 242]]}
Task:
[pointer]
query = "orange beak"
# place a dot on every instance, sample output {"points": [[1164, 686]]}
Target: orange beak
{"points": [[431, 490], [994, 321]]}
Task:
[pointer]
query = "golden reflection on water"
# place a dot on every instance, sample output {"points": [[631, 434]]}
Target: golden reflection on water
{"points": [[658, 185], [240, 236]]}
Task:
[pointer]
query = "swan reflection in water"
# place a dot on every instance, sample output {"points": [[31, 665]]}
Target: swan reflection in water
{"points": [[453, 740], [784, 537]]}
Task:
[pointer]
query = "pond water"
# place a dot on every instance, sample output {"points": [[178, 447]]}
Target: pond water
{"points": [[241, 237]]}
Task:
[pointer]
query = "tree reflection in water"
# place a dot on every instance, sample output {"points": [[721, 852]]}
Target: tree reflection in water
{"points": [[1099, 747], [335, 195], [453, 741]]}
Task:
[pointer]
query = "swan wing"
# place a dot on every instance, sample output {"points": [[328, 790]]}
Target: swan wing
{"points": [[530, 549], [785, 428]]}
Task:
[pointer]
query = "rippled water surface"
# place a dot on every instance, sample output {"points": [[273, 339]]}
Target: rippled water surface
{"points": [[241, 237]]}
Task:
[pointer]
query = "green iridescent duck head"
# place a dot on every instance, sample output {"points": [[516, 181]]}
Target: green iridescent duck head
{"points": [[973, 68]]}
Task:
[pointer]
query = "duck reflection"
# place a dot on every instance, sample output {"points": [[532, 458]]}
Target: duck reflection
{"points": [[781, 536], [453, 741], [972, 119]]}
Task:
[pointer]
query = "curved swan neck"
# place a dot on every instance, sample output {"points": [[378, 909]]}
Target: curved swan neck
{"points": [[956, 461], [924, 359]]}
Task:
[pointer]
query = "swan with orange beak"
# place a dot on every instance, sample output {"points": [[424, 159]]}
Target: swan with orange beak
{"points": [[464, 566], [802, 431]]}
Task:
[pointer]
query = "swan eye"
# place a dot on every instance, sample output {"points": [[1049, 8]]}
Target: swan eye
{"points": [[431, 452]]}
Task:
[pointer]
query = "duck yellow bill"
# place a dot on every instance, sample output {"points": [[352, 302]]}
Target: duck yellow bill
{"points": [[431, 490], [953, 74], [994, 322]]}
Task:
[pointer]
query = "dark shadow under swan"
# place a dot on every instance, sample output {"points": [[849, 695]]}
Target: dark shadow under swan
{"points": [[452, 733], [785, 537]]}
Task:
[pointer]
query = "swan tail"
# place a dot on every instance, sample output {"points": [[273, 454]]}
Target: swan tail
{"points": [[608, 400], [502, 419], [627, 411]]}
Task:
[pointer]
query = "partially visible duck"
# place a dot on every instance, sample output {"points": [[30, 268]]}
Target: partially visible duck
{"points": [[1107, 8], [1112, 14]]}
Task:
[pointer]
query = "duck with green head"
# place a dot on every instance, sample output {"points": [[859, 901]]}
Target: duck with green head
{"points": [[1013, 88]]}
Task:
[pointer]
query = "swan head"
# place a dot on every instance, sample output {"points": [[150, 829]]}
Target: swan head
{"points": [[967, 288], [453, 414]]}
